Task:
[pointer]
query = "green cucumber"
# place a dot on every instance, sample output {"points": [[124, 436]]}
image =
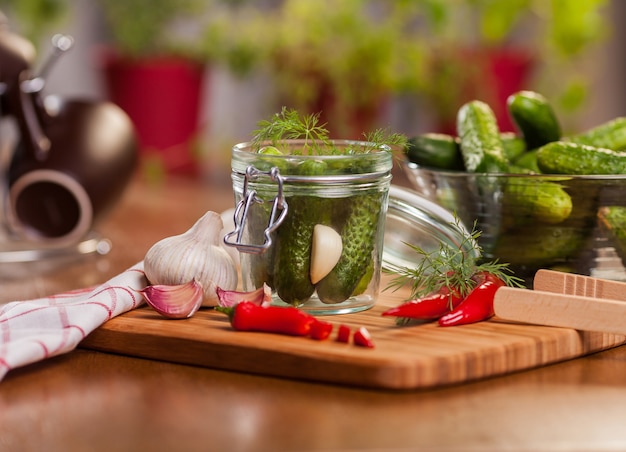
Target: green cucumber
{"points": [[561, 157], [361, 287], [292, 254], [528, 160], [358, 236], [613, 221], [540, 200], [516, 169], [435, 150], [443, 151], [528, 244], [609, 135], [513, 146], [294, 238], [534, 117], [544, 245], [481, 145]]}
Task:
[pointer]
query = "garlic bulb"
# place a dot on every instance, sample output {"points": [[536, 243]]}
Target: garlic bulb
{"points": [[228, 221], [195, 254]]}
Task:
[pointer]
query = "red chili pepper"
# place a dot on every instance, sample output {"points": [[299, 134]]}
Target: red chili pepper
{"points": [[478, 305], [486, 276], [363, 338], [247, 316], [428, 307], [320, 330], [343, 334]]}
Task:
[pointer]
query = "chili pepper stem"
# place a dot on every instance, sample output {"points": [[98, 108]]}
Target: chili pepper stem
{"points": [[229, 311]]}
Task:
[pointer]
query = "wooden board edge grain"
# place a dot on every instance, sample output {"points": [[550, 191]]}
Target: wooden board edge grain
{"points": [[409, 358], [561, 344], [267, 362]]}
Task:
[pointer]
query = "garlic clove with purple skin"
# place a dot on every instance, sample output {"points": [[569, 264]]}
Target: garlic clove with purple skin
{"points": [[175, 302], [229, 298]]}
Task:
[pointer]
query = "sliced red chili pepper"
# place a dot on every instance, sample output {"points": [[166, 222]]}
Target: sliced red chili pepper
{"points": [[429, 307], [477, 306], [343, 334], [363, 338], [320, 330], [247, 316]]}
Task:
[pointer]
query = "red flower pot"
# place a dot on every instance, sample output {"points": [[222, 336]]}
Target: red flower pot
{"points": [[162, 96], [490, 75]]}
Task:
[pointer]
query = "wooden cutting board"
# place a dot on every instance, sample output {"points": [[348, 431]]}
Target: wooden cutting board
{"points": [[405, 357]]}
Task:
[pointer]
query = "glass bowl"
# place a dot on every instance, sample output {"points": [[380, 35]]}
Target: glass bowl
{"points": [[534, 221]]}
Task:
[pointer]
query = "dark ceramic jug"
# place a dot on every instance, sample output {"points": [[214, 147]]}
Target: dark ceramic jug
{"points": [[73, 158]]}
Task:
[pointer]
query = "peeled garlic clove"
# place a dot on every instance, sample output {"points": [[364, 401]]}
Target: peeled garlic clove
{"points": [[325, 251], [175, 302], [229, 298], [195, 254]]}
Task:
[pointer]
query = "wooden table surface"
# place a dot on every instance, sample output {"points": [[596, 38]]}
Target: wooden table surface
{"points": [[92, 401]]}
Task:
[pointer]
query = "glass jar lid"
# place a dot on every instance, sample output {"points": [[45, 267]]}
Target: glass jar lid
{"points": [[412, 219]]}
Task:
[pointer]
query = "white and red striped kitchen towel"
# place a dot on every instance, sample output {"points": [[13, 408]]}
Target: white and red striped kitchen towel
{"points": [[34, 330]]}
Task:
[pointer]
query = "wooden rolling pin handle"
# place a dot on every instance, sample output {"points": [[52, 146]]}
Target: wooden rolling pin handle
{"points": [[561, 310], [569, 283]]}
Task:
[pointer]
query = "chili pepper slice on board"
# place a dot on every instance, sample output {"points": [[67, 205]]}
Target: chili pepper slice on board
{"points": [[343, 333], [247, 316], [429, 307], [320, 330], [363, 338], [477, 306]]}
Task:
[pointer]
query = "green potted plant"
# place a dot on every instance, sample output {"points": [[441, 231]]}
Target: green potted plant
{"points": [[158, 58], [342, 59], [489, 49], [345, 58]]}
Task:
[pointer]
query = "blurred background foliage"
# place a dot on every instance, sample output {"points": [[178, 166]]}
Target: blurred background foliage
{"points": [[357, 53]]}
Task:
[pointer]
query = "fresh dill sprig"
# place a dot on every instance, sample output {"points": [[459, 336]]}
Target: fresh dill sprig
{"points": [[384, 137], [290, 125], [449, 267]]}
